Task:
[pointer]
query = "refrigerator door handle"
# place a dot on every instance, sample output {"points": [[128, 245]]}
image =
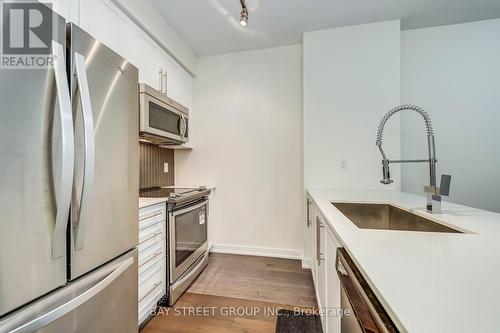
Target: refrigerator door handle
{"points": [[67, 160], [89, 148], [31, 321]]}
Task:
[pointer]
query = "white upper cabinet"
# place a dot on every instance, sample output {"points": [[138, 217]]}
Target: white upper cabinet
{"points": [[61, 7], [185, 88], [105, 22], [142, 52], [171, 70]]}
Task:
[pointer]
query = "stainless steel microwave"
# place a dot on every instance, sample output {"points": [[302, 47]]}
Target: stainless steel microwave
{"points": [[163, 121]]}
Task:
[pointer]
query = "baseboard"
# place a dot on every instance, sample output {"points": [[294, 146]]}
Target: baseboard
{"points": [[306, 263], [257, 251]]}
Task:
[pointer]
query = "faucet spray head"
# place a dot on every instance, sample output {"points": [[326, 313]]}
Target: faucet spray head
{"points": [[386, 173]]}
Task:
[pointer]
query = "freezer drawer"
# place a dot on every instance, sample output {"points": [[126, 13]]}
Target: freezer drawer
{"points": [[105, 300]]}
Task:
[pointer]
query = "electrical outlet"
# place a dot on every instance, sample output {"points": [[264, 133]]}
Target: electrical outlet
{"points": [[343, 165], [165, 167]]}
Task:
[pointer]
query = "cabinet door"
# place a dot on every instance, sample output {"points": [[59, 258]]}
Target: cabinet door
{"points": [[172, 70], [332, 283], [61, 7], [308, 223], [312, 243], [105, 22], [185, 88], [142, 51], [321, 266]]}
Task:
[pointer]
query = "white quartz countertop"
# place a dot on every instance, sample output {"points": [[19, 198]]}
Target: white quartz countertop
{"points": [[428, 282], [145, 202]]}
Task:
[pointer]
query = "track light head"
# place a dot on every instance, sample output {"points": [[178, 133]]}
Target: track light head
{"points": [[244, 13], [244, 17]]}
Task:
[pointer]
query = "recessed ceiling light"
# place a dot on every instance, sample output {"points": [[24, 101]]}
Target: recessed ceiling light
{"points": [[244, 13]]}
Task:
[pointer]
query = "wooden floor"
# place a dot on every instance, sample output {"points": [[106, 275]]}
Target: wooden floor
{"points": [[238, 294]]}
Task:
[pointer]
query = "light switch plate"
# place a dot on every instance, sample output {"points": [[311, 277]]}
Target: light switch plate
{"points": [[343, 165], [165, 167]]}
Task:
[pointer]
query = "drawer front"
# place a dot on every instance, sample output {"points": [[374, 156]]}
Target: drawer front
{"points": [[152, 214], [149, 302], [149, 256], [151, 278], [152, 234], [152, 287]]}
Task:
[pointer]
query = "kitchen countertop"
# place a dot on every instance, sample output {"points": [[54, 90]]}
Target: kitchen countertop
{"points": [[145, 202], [428, 282]]}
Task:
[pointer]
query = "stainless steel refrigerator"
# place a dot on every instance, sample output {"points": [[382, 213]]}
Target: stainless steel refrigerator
{"points": [[69, 190]]}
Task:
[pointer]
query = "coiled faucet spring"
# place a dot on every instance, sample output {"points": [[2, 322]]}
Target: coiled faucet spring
{"points": [[433, 192]]}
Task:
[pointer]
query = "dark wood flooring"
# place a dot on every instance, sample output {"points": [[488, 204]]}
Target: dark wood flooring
{"points": [[238, 294]]}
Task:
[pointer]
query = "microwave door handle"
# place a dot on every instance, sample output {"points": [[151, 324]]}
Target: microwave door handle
{"points": [[184, 127], [67, 160], [89, 151]]}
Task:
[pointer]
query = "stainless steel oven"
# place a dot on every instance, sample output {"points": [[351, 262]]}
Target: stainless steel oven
{"points": [[162, 120], [188, 245]]}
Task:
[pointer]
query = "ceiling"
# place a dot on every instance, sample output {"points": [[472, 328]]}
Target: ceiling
{"points": [[212, 26]]}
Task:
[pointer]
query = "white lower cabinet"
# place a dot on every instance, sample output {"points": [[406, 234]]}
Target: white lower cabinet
{"points": [[332, 299], [152, 258], [322, 245]]}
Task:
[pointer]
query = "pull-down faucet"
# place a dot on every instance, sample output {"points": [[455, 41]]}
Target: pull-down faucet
{"points": [[433, 192]]}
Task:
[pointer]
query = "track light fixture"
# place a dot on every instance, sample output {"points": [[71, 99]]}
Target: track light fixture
{"points": [[244, 13]]}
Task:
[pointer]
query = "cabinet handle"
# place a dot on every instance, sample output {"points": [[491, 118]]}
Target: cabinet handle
{"points": [[150, 215], [319, 226], [154, 255], [142, 240], [150, 291], [165, 83], [161, 79], [309, 222]]}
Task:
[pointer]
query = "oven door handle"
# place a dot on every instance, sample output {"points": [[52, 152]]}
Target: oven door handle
{"points": [[188, 209]]}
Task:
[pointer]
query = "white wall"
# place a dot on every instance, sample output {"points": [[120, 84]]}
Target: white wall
{"points": [[351, 79], [249, 144], [148, 18], [454, 72]]}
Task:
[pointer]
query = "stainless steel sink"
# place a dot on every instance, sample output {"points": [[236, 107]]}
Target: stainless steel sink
{"points": [[388, 217]]}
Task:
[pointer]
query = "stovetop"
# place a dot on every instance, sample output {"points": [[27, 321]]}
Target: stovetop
{"points": [[175, 196], [165, 192]]}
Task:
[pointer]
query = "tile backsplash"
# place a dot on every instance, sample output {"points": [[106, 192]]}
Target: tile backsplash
{"points": [[152, 159]]}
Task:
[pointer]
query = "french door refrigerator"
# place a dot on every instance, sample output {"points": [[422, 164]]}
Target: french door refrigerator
{"points": [[69, 190]]}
